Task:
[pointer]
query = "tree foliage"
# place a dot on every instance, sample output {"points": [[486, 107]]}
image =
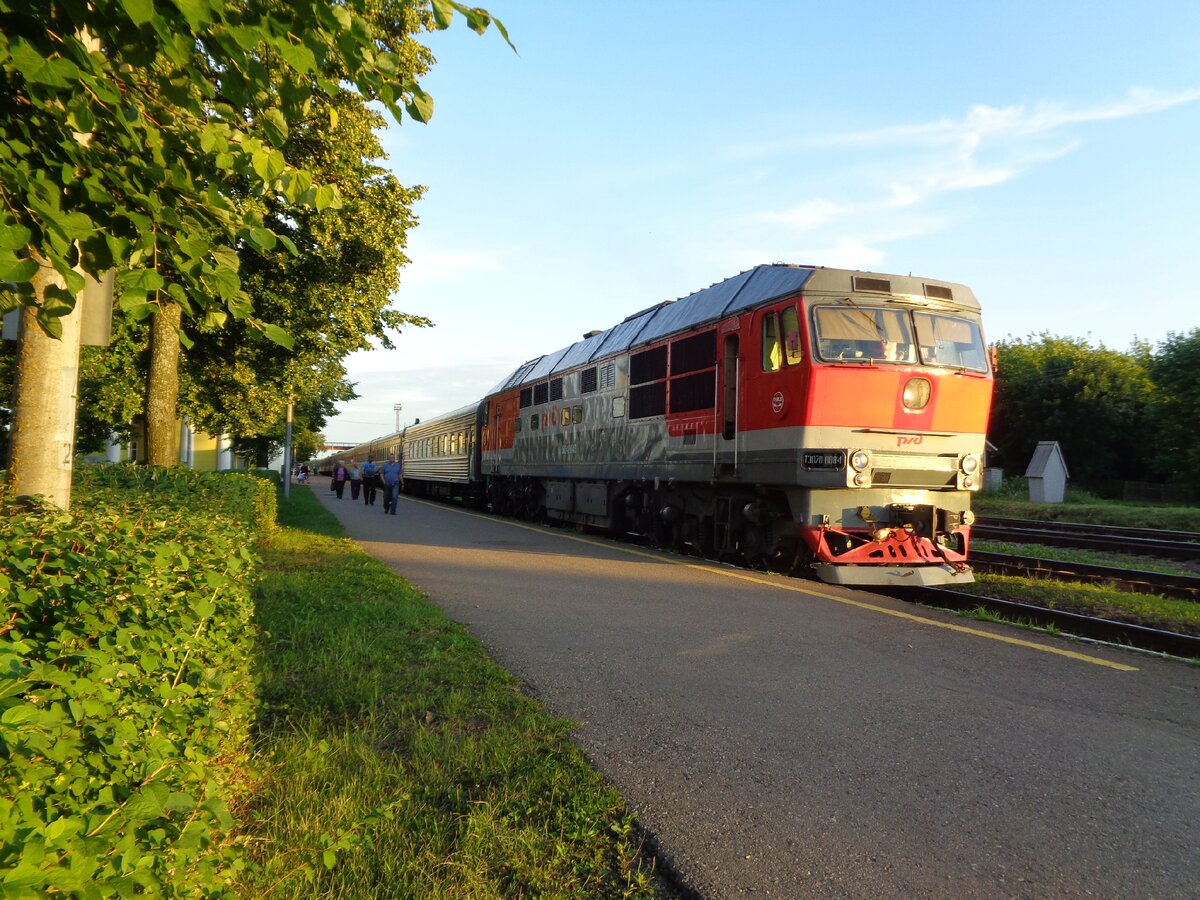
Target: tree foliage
{"points": [[1090, 399], [132, 129], [1175, 409], [149, 138], [334, 296]]}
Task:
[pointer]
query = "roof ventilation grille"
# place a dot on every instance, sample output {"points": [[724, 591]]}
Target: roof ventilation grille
{"points": [[876, 285]]}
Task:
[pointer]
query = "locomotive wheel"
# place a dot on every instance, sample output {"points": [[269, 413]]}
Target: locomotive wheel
{"points": [[754, 548]]}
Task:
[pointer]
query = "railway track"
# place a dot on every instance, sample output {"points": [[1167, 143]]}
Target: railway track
{"points": [[1142, 541], [1088, 627], [1184, 587]]}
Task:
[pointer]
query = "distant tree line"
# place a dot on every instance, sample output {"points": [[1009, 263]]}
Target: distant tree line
{"points": [[1117, 416]]}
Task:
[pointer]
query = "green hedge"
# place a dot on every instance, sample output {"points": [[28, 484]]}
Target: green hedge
{"points": [[125, 683]]}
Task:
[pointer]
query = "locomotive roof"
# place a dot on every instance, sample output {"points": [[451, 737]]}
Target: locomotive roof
{"points": [[751, 288]]}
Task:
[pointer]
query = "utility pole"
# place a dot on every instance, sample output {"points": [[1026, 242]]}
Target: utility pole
{"points": [[287, 455], [397, 408]]}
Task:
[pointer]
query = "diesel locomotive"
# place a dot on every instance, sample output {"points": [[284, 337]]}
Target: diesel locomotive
{"points": [[796, 417]]}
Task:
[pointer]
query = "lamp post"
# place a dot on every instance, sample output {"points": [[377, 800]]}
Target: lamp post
{"points": [[397, 408]]}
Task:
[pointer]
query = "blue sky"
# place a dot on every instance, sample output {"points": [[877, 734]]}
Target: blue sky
{"points": [[1047, 154]]}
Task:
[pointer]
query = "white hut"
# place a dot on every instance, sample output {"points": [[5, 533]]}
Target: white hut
{"points": [[1047, 473]]}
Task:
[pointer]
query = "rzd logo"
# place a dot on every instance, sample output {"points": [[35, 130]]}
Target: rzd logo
{"points": [[912, 439]]}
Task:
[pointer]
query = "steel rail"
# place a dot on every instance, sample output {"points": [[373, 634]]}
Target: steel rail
{"points": [[1089, 529], [1120, 541], [1107, 630], [1185, 587]]}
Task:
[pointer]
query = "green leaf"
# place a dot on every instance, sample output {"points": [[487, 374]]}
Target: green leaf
{"points": [[13, 236], [227, 258], [20, 714], [262, 239], [139, 11], [277, 334], [289, 243], [57, 301], [443, 14], [142, 281], [36, 69], [52, 325], [148, 803], [269, 164], [224, 283], [421, 105], [197, 12], [76, 225], [135, 306], [329, 858], [328, 197], [14, 269], [298, 56], [276, 127]]}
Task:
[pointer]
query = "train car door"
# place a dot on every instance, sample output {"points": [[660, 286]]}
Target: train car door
{"points": [[774, 378], [726, 443]]}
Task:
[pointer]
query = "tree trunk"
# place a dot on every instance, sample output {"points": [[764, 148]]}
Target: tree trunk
{"points": [[43, 437], [162, 387]]}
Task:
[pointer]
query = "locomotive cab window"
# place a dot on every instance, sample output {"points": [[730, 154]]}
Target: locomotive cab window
{"points": [[950, 341], [772, 347], [790, 323], [864, 334]]}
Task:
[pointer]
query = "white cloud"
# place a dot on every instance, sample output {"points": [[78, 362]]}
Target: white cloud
{"points": [[982, 124], [900, 171]]}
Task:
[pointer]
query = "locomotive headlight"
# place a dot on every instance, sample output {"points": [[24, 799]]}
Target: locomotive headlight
{"points": [[916, 393], [859, 460], [970, 464]]}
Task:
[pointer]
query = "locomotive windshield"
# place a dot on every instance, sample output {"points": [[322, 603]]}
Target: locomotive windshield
{"points": [[867, 334], [950, 341]]}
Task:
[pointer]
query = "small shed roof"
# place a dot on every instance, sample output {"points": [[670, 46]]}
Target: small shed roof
{"points": [[1046, 456]]}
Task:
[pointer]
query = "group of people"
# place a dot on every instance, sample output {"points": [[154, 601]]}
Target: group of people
{"points": [[371, 479]]}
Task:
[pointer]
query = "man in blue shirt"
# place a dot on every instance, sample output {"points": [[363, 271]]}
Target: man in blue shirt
{"points": [[393, 478], [370, 481]]}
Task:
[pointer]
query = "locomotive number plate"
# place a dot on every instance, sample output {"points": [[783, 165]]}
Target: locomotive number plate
{"points": [[823, 459]]}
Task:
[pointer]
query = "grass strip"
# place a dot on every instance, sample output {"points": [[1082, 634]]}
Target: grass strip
{"points": [[1150, 610], [397, 760]]}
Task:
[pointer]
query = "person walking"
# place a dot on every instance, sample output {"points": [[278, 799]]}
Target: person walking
{"points": [[355, 479], [340, 475], [370, 481], [393, 478]]}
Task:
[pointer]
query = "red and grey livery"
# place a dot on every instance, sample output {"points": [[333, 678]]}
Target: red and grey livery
{"points": [[795, 416]]}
